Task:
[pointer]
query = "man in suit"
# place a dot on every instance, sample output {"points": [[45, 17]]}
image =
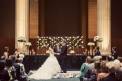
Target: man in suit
{"points": [[4, 75], [57, 49], [63, 56], [97, 51], [114, 53], [20, 70]]}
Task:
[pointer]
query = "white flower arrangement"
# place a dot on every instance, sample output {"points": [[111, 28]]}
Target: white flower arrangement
{"points": [[21, 39], [28, 43], [98, 39], [91, 44]]}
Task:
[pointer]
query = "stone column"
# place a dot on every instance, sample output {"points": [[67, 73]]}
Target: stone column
{"points": [[33, 19], [104, 25], [21, 26]]}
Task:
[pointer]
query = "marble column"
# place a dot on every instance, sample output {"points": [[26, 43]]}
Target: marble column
{"points": [[21, 26], [33, 19], [104, 25]]}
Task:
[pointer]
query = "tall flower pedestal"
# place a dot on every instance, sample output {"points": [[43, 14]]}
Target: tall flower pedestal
{"points": [[21, 44], [91, 45], [27, 44], [98, 41]]}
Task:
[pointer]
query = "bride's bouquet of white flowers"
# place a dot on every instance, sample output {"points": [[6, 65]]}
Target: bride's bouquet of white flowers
{"points": [[98, 39]]}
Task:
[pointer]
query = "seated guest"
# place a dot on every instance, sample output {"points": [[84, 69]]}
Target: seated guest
{"points": [[85, 68], [91, 74], [6, 52], [20, 70], [21, 56], [110, 58], [106, 76], [11, 69], [108, 72], [2, 59], [119, 74], [16, 53], [4, 75], [114, 53], [97, 67], [97, 58], [103, 71]]}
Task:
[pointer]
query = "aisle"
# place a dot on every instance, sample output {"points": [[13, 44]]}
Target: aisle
{"points": [[66, 79]]}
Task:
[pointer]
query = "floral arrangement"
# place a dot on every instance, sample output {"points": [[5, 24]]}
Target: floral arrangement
{"points": [[91, 44], [72, 51], [21, 39], [28, 44], [98, 39], [71, 41]]}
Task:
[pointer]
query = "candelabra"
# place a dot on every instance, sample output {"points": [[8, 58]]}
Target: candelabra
{"points": [[91, 44]]}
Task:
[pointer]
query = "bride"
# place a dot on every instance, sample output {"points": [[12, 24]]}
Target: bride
{"points": [[48, 69]]}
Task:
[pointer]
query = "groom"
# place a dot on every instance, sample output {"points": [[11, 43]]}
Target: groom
{"points": [[63, 57], [62, 52]]}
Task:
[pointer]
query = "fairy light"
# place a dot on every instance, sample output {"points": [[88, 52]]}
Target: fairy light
{"points": [[72, 41]]}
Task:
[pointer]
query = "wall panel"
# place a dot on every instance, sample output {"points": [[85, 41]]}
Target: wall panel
{"points": [[7, 24]]}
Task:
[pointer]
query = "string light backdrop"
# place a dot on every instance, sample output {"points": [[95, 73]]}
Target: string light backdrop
{"points": [[72, 42]]}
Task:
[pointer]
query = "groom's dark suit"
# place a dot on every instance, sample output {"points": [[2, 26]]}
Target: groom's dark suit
{"points": [[62, 55], [63, 58]]}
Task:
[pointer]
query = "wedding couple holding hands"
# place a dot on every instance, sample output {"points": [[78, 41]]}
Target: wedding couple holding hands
{"points": [[51, 66]]}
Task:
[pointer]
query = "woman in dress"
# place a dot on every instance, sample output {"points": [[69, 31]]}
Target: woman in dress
{"points": [[6, 53], [49, 68]]}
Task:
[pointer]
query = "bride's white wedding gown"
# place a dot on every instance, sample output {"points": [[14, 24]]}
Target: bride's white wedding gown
{"points": [[49, 68]]}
